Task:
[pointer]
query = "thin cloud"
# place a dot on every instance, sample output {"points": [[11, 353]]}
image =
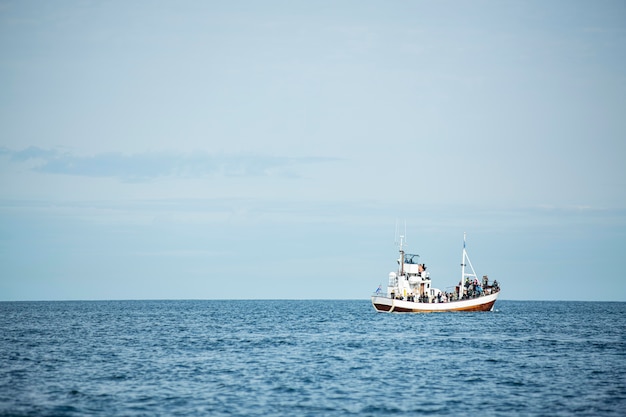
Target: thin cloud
{"points": [[150, 165]]}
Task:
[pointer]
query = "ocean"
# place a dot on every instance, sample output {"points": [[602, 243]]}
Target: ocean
{"points": [[310, 358]]}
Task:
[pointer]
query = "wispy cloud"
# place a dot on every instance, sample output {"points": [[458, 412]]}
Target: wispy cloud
{"points": [[149, 165]]}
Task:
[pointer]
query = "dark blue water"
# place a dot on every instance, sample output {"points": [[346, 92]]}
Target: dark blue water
{"points": [[315, 358]]}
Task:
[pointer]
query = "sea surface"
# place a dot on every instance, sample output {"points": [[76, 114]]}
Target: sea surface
{"points": [[310, 358]]}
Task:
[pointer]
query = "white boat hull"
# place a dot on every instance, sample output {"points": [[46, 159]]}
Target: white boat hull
{"points": [[390, 305]]}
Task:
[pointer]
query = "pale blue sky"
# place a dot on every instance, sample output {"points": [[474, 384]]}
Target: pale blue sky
{"points": [[246, 149]]}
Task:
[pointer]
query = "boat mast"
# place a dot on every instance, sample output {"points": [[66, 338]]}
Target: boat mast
{"points": [[401, 245], [401, 255], [462, 283], [463, 274]]}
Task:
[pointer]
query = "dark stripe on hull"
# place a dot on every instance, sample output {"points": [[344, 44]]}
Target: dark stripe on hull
{"points": [[382, 307], [481, 307]]}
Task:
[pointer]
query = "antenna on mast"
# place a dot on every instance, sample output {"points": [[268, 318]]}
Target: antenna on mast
{"points": [[400, 239], [395, 237], [405, 231]]}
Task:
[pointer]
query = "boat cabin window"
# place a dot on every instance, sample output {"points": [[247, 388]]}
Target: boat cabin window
{"points": [[411, 259]]}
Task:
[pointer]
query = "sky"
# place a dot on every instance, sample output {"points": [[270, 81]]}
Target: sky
{"points": [[245, 149]]}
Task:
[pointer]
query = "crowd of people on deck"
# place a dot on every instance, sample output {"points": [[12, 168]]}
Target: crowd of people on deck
{"points": [[472, 289]]}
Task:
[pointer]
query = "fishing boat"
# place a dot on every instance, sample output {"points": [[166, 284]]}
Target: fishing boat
{"points": [[410, 291]]}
